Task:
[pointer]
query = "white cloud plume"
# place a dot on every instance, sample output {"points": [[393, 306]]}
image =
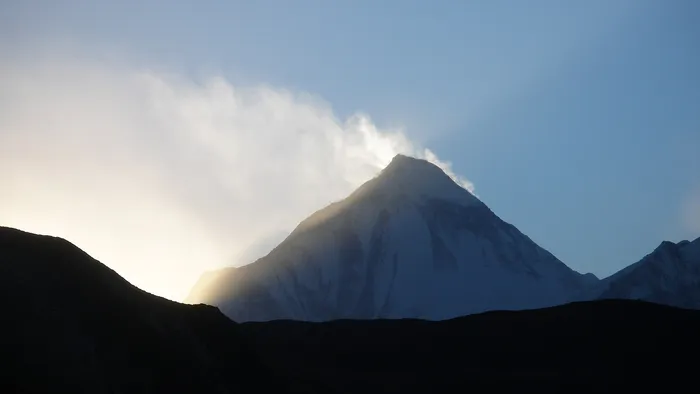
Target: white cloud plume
{"points": [[162, 177]]}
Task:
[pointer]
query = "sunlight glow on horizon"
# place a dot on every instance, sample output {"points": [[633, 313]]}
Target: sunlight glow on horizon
{"points": [[162, 178]]}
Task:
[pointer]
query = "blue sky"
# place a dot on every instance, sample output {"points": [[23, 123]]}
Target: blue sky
{"points": [[577, 121]]}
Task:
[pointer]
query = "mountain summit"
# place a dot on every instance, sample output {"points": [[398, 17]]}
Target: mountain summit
{"points": [[417, 178], [410, 243]]}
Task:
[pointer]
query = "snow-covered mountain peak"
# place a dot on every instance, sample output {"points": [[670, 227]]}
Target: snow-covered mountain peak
{"points": [[409, 243], [405, 180], [402, 162], [415, 179]]}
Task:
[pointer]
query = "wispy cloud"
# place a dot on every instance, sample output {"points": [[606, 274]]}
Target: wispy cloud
{"points": [[161, 176]]}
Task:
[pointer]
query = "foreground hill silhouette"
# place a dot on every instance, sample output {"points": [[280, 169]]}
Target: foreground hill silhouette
{"points": [[72, 325], [593, 346]]}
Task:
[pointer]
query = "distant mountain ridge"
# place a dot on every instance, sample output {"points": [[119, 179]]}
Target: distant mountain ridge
{"points": [[410, 243], [669, 275]]}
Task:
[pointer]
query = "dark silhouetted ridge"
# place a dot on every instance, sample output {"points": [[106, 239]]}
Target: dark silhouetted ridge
{"points": [[587, 347], [72, 325]]}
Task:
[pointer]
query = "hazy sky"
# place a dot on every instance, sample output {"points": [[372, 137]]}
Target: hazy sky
{"points": [[169, 137]]}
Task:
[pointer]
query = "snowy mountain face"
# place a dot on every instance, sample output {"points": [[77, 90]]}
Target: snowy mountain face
{"points": [[669, 275], [409, 243]]}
